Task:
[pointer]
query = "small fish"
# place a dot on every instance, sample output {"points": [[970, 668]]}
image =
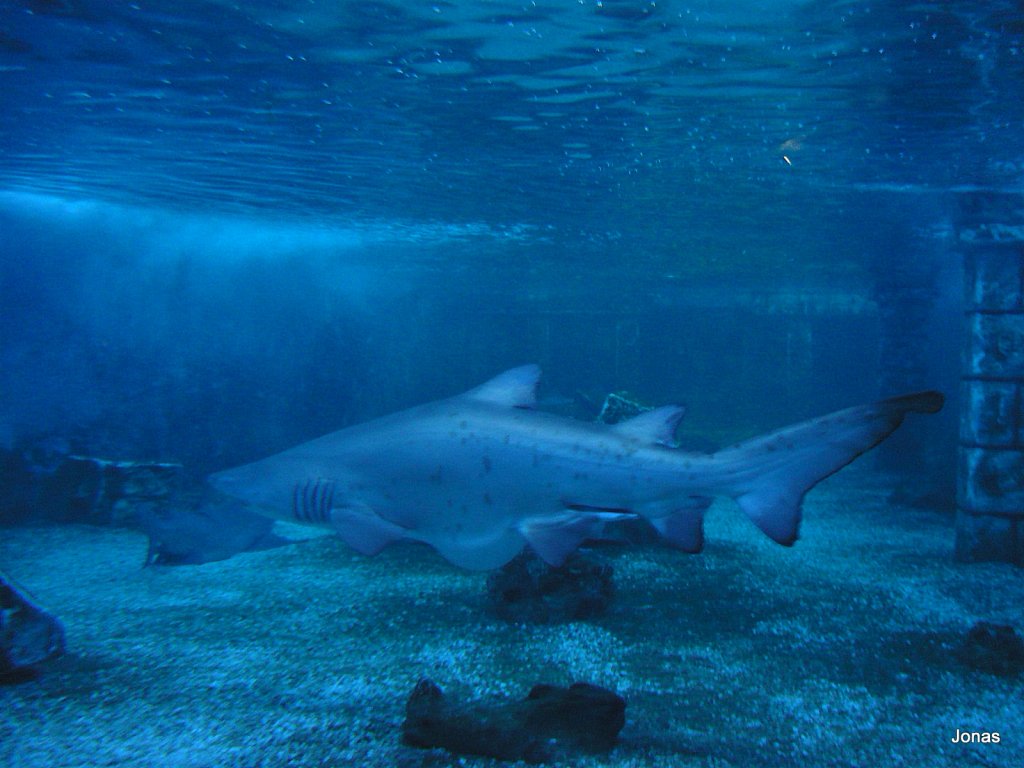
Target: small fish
{"points": [[181, 536], [480, 475]]}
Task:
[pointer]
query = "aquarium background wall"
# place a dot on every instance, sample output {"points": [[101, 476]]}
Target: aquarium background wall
{"points": [[206, 340]]}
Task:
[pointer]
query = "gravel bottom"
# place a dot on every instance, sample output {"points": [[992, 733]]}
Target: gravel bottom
{"points": [[838, 652]]}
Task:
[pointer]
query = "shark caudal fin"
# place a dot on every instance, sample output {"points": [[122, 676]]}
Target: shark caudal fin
{"points": [[772, 473]]}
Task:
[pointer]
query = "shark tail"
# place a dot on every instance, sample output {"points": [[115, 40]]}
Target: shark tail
{"points": [[769, 475]]}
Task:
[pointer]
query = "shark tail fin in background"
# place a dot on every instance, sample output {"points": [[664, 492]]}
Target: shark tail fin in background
{"points": [[772, 473]]}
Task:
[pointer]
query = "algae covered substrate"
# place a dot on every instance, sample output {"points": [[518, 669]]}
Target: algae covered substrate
{"points": [[842, 651]]}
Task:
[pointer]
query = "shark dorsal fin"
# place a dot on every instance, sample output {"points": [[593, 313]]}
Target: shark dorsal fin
{"points": [[516, 388], [655, 426]]}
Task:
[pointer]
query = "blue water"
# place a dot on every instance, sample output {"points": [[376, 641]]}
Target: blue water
{"points": [[167, 164], [591, 115], [226, 228]]}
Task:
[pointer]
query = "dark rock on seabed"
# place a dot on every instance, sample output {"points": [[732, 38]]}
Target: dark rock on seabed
{"points": [[552, 723], [29, 634], [994, 648], [528, 590]]}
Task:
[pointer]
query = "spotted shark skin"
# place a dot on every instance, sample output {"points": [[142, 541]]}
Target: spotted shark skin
{"points": [[480, 475]]}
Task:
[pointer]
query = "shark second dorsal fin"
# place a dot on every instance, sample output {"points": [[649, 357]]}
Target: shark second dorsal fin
{"points": [[657, 426], [516, 388]]}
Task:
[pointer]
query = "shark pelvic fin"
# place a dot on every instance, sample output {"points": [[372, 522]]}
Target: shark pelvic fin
{"points": [[656, 426], [779, 468], [555, 538], [516, 388], [683, 528], [363, 529]]}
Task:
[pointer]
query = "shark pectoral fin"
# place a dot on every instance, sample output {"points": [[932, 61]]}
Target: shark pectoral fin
{"points": [[555, 538], [683, 528], [363, 529]]}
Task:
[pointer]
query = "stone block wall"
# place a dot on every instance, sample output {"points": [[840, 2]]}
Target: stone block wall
{"points": [[990, 523]]}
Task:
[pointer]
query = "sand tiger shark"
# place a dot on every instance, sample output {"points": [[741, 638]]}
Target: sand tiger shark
{"points": [[480, 475]]}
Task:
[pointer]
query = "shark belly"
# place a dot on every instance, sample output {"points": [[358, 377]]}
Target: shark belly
{"points": [[477, 482]]}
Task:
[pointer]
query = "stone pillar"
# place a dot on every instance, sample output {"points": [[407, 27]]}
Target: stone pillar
{"points": [[990, 487]]}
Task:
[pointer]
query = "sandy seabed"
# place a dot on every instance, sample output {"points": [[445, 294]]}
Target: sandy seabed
{"points": [[838, 652]]}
